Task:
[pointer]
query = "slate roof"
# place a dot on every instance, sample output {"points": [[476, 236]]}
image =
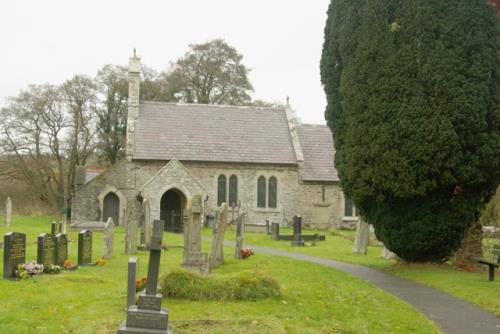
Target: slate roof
{"points": [[319, 152], [194, 132]]}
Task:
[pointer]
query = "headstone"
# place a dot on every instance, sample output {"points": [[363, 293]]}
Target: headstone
{"points": [[46, 251], [148, 316], [240, 229], [14, 252], [387, 254], [8, 212], [275, 231], [131, 279], [268, 227], [55, 228], [146, 223], [109, 236], [131, 237], [193, 258], [217, 252], [61, 248], [362, 237], [64, 220], [297, 231], [85, 248]]}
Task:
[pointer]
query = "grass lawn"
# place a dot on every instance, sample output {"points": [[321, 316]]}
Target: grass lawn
{"points": [[471, 286], [315, 299]]}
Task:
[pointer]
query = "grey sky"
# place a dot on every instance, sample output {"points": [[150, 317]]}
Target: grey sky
{"points": [[281, 40]]}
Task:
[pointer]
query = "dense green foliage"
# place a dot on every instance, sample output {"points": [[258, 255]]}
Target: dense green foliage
{"points": [[184, 284], [413, 93]]}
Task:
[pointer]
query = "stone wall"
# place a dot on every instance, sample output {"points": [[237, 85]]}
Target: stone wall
{"points": [[153, 179]]}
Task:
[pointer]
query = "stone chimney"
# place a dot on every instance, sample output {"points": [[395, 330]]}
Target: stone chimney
{"points": [[134, 82]]}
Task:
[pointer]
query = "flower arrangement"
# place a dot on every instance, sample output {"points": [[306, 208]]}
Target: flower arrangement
{"points": [[52, 269], [67, 264], [100, 262], [26, 270], [246, 252], [140, 284]]}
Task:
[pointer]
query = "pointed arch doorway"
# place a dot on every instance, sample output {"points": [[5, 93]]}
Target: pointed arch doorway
{"points": [[172, 204], [111, 207]]}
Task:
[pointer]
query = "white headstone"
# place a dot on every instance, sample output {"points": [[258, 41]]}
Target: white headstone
{"points": [[362, 237], [387, 254], [109, 236], [8, 212]]}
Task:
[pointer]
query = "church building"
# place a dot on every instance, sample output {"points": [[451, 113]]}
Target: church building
{"points": [[259, 157]]}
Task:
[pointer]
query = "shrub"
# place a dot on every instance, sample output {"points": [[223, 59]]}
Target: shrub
{"points": [[184, 284]]}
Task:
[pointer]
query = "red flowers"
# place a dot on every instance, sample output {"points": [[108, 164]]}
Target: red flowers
{"points": [[246, 252]]}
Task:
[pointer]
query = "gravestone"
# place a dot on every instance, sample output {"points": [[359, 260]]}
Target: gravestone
{"points": [[131, 237], [275, 231], [85, 248], [387, 254], [146, 226], [217, 252], [64, 220], [193, 258], [61, 248], [362, 237], [55, 228], [240, 229], [14, 252], [148, 316], [297, 231], [268, 227], [8, 212], [131, 279], [109, 236], [46, 251]]}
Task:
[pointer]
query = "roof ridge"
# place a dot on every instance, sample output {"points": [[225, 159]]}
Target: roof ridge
{"points": [[313, 125], [213, 105]]}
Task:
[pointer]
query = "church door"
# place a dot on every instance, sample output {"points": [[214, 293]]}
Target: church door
{"points": [[111, 208], [171, 211]]}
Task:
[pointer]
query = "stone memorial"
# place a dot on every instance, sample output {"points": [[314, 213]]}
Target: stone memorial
{"points": [[146, 224], [8, 212], [217, 252], [61, 241], [148, 316], [14, 253], [297, 231], [64, 221], [131, 279], [131, 236], [46, 250], [193, 258], [55, 228], [85, 248], [275, 231], [109, 236], [387, 254], [362, 238], [240, 229]]}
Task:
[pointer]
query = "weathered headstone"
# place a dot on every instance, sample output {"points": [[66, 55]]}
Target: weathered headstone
{"points": [[268, 227], [146, 224], [109, 236], [55, 228], [217, 252], [8, 212], [46, 251], [240, 230], [85, 248], [275, 231], [61, 248], [64, 220], [193, 258], [297, 231], [14, 252], [362, 237], [148, 316], [131, 279], [131, 237], [387, 254]]}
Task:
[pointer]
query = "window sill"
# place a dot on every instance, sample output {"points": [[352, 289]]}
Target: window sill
{"points": [[350, 219], [267, 210]]}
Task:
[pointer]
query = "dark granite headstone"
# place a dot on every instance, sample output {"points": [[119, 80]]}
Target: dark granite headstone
{"points": [[85, 248], [148, 316], [46, 251], [55, 228], [14, 252], [61, 249], [297, 231], [275, 231]]}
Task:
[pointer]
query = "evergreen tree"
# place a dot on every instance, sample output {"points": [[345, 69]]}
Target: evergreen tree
{"points": [[413, 90]]}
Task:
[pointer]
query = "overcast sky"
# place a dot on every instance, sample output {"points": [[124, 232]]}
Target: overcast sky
{"points": [[281, 40]]}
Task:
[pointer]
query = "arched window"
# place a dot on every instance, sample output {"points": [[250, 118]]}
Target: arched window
{"points": [[233, 190], [272, 192], [261, 192], [221, 190]]}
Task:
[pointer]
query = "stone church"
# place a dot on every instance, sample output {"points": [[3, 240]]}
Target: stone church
{"points": [[258, 157]]}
